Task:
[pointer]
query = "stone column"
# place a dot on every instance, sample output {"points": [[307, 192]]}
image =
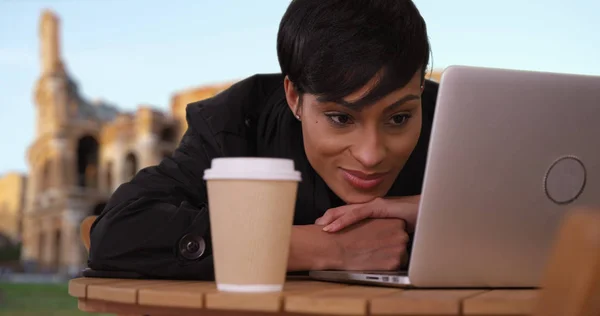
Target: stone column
{"points": [[50, 42], [106, 167], [117, 156], [48, 245], [30, 189], [102, 185], [111, 181], [73, 261], [59, 172], [147, 151], [119, 173]]}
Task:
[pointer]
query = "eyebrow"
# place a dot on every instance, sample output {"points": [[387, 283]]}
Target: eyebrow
{"points": [[391, 107]]}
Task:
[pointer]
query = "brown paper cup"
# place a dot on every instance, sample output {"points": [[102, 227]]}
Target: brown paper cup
{"points": [[251, 206]]}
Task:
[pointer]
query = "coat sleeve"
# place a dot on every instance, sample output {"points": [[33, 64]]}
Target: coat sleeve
{"points": [[157, 224]]}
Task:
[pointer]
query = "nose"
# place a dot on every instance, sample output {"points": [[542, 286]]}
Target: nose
{"points": [[369, 148]]}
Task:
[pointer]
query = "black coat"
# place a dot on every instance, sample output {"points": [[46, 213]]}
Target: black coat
{"points": [[156, 224]]}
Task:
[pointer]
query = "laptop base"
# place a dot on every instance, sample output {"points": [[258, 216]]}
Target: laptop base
{"points": [[381, 278]]}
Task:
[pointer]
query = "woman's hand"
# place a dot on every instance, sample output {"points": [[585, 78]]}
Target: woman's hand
{"points": [[405, 208]]}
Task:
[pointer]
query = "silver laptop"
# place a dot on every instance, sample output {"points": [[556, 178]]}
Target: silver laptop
{"points": [[510, 153]]}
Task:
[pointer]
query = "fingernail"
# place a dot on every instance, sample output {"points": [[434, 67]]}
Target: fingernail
{"points": [[319, 221], [330, 227]]}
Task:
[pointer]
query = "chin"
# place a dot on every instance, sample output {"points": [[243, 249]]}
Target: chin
{"points": [[359, 198], [352, 196]]}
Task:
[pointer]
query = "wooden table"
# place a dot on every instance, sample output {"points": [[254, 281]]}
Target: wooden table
{"points": [[300, 296]]}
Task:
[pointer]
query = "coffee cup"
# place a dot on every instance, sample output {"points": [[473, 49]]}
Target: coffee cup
{"points": [[251, 204]]}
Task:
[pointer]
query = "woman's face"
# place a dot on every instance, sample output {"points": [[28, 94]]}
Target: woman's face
{"points": [[359, 153]]}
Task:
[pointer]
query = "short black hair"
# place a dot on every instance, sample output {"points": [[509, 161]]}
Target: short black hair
{"points": [[332, 48]]}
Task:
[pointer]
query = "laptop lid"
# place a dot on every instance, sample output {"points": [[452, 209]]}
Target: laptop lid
{"points": [[510, 153]]}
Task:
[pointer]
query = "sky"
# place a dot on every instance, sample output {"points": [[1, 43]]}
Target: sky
{"points": [[134, 52]]}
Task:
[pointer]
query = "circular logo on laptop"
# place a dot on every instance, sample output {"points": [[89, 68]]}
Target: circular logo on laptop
{"points": [[565, 180]]}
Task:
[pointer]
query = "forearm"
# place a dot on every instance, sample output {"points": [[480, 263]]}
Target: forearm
{"points": [[312, 249]]}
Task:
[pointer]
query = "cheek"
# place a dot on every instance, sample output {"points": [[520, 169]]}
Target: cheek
{"points": [[320, 142]]}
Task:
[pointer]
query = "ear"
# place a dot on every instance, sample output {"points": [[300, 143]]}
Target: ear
{"points": [[292, 97]]}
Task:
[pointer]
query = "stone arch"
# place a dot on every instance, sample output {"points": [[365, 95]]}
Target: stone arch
{"points": [[168, 134], [5, 241], [87, 162], [131, 165], [108, 176], [41, 237], [57, 255]]}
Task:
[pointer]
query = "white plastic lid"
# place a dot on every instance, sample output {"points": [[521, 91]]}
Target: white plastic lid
{"points": [[251, 168]]}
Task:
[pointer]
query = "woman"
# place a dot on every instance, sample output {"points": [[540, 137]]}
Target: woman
{"points": [[353, 110]]}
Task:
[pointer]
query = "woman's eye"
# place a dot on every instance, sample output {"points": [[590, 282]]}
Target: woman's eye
{"points": [[399, 119], [339, 119]]}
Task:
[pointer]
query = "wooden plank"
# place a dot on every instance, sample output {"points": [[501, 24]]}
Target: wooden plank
{"points": [[422, 302], [96, 306], [184, 295], [78, 286], [501, 302], [265, 302], [123, 292], [348, 300]]}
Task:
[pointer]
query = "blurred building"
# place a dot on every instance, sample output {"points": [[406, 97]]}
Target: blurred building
{"points": [[82, 151], [12, 191], [180, 100], [434, 75]]}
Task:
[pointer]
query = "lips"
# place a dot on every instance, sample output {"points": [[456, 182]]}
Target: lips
{"points": [[361, 180]]}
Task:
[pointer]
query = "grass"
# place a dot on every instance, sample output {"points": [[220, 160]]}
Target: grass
{"points": [[38, 300]]}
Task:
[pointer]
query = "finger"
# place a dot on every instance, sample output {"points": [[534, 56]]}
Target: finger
{"points": [[341, 220], [408, 214], [332, 214], [354, 216]]}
